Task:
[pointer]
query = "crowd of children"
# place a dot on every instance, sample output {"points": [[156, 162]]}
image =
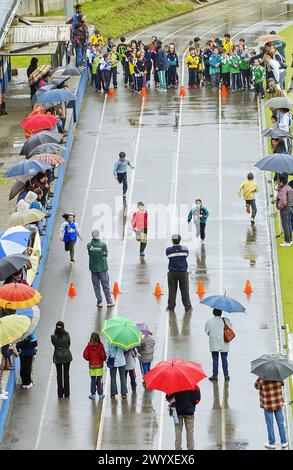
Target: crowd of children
{"points": [[217, 62]]}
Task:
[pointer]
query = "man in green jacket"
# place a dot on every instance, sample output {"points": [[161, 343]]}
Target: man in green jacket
{"points": [[98, 266]]}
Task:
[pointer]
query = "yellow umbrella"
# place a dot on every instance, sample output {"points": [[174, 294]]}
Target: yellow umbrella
{"points": [[12, 327], [25, 217]]}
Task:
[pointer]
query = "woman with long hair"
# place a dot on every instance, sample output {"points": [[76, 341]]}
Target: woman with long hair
{"points": [[62, 358]]}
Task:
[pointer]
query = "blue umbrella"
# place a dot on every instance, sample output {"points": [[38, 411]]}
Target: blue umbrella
{"points": [[55, 96], [278, 162], [33, 313], [26, 167], [14, 240], [222, 302], [42, 90]]}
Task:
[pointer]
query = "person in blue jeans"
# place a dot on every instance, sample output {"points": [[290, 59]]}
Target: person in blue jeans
{"points": [[146, 354], [120, 171], [272, 402], [214, 328]]}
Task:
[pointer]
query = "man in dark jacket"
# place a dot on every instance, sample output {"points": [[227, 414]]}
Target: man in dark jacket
{"points": [[98, 266], [185, 403], [162, 65], [178, 274]]}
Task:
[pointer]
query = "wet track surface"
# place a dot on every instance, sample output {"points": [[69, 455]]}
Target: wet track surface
{"points": [[203, 149]]}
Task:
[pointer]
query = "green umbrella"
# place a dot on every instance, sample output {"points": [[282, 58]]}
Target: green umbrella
{"points": [[122, 332]]}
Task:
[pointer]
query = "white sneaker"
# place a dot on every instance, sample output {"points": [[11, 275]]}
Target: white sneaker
{"points": [[285, 244], [270, 446], [3, 396], [284, 445], [111, 305], [28, 386], [100, 305]]}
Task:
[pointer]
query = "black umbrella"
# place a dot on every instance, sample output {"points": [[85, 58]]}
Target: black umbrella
{"points": [[46, 148], [59, 79], [20, 184], [11, 264], [40, 138], [68, 70], [276, 133]]}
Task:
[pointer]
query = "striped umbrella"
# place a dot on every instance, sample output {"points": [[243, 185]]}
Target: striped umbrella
{"points": [[38, 73], [18, 295], [13, 241], [34, 314], [48, 158]]}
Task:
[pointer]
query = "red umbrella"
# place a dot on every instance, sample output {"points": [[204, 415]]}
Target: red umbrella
{"points": [[49, 158], [174, 376], [38, 122]]}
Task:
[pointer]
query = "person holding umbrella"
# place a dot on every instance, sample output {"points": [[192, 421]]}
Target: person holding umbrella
{"points": [[122, 334], [271, 370], [185, 404], [285, 205], [116, 361], [178, 379], [214, 328]]}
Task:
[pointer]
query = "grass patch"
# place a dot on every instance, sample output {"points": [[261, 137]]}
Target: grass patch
{"points": [[285, 256], [119, 17], [22, 62]]}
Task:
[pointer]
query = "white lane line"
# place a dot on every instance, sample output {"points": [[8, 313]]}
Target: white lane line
{"points": [[221, 272], [120, 278], [174, 204], [45, 405]]}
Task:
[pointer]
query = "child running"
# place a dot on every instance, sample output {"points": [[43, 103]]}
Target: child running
{"points": [[120, 171], [69, 232], [249, 188], [139, 224], [199, 214], [95, 354]]}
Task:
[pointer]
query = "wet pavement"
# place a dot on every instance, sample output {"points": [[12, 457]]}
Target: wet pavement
{"points": [[207, 153]]}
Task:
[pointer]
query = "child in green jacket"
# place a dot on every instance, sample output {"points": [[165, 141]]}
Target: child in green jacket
{"points": [[245, 68], [235, 70], [225, 69], [258, 75]]}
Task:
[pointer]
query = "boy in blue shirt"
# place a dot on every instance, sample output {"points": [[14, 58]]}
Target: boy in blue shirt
{"points": [[120, 171], [199, 214]]}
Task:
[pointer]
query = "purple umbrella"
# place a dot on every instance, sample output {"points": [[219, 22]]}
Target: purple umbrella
{"points": [[143, 328]]}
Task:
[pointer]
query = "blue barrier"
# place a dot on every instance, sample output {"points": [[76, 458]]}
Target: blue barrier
{"points": [[59, 182], [5, 404], [4, 409]]}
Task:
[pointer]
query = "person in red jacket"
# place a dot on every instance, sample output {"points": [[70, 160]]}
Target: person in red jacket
{"points": [[95, 354], [139, 224]]}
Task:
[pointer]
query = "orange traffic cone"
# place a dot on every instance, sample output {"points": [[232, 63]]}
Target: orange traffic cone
{"points": [[223, 90], [111, 92], [116, 289], [143, 93], [182, 91], [248, 288], [158, 291], [200, 288], [72, 292]]}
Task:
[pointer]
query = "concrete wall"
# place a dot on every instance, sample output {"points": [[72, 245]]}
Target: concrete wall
{"points": [[31, 7]]}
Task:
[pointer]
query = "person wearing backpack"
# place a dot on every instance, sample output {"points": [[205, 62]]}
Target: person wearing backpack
{"points": [[214, 328], [285, 204]]}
